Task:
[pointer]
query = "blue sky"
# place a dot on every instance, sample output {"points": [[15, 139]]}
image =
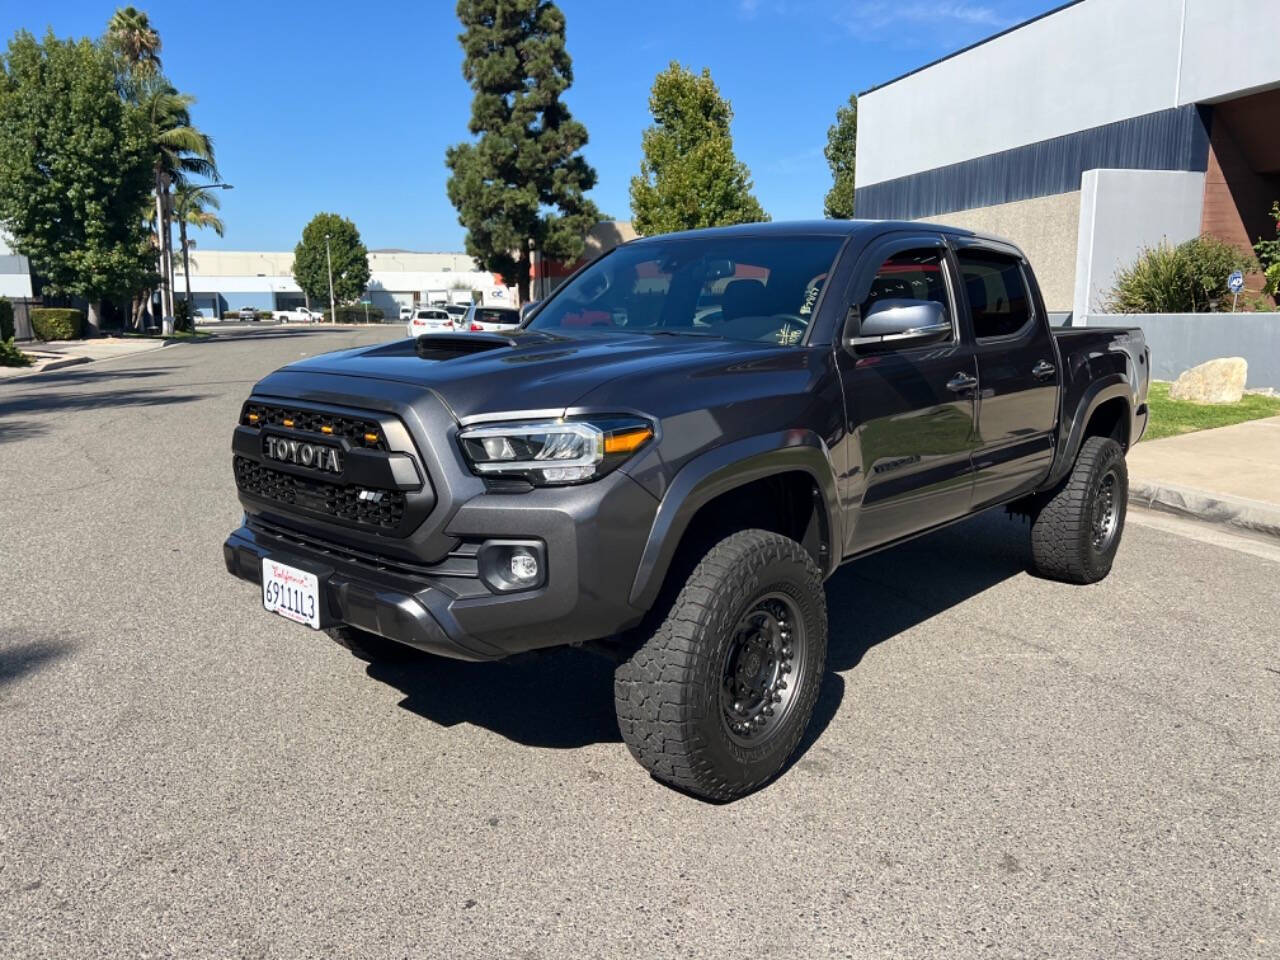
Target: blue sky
{"points": [[348, 107]]}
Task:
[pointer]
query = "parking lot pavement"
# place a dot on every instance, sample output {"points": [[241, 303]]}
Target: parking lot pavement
{"points": [[999, 765]]}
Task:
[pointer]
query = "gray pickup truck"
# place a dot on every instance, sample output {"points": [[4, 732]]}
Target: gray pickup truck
{"points": [[672, 453]]}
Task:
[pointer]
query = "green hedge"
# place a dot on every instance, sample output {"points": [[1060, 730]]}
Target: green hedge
{"points": [[355, 314], [57, 323], [6, 319], [11, 356]]}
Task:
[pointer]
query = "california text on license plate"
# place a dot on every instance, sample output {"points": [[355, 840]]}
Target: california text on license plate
{"points": [[290, 592]]}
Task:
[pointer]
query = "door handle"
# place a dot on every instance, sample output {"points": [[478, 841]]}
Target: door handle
{"points": [[961, 382], [1043, 370]]}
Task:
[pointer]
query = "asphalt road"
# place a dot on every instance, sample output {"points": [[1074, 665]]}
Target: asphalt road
{"points": [[1000, 765]]}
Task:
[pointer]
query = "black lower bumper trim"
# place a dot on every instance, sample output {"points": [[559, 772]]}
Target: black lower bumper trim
{"points": [[397, 615]]}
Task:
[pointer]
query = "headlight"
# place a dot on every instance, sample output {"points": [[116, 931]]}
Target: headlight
{"points": [[551, 452]]}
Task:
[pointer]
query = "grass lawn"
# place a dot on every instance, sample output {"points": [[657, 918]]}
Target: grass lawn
{"points": [[1172, 417]]}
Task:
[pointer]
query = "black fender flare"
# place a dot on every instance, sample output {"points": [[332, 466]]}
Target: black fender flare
{"points": [[1107, 388], [720, 470]]}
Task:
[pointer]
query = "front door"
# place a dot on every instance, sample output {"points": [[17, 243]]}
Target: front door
{"points": [[911, 408]]}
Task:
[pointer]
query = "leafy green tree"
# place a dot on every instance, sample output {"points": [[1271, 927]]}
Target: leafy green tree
{"points": [[74, 169], [522, 185], [841, 153], [350, 260], [689, 176]]}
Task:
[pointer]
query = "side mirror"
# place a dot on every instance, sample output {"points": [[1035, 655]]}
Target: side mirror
{"points": [[899, 323]]}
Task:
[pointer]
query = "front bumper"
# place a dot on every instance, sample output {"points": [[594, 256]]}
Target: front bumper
{"points": [[593, 536]]}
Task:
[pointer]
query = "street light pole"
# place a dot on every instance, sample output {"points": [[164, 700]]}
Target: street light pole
{"points": [[333, 306]]}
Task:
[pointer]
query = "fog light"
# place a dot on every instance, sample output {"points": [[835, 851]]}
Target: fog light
{"points": [[524, 566]]}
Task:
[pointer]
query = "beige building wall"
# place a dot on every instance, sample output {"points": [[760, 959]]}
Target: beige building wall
{"points": [[1046, 228]]}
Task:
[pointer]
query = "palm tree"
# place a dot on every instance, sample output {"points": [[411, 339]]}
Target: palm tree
{"points": [[192, 204], [131, 37], [181, 151]]}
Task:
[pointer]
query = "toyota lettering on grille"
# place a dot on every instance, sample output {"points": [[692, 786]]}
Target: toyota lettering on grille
{"points": [[317, 456]]}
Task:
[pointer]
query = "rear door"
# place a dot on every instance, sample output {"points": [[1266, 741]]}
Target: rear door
{"points": [[1017, 401], [911, 408]]}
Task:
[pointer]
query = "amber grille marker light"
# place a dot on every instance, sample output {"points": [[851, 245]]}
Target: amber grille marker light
{"points": [[370, 438], [625, 441], [287, 422], [325, 428]]}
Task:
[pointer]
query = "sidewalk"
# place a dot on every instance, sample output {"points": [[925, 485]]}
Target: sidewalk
{"points": [[1228, 475], [57, 354]]}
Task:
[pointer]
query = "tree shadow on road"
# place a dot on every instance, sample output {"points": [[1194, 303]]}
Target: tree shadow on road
{"points": [[18, 659], [563, 698], [43, 401]]}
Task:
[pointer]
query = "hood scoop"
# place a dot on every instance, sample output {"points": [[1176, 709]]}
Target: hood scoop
{"points": [[450, 346]]}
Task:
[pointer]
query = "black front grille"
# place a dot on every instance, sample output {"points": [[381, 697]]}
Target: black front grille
{"points": [[379, 508], [355, 430]]}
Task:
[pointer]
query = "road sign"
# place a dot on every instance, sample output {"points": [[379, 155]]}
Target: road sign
{"points": [[1235, 282], [366, 302]]}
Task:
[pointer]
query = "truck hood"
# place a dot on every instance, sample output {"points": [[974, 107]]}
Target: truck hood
{"points": [[481, 373]]}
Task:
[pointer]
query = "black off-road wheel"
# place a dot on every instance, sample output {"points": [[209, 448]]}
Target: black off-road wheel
{"points": [[716, 699], [370, 647], [1076, 532]]}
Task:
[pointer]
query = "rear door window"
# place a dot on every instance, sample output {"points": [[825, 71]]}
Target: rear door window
{"points": [[997, 293]]}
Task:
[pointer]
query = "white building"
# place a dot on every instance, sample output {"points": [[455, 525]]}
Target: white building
{"points": [[223, 281], [1086, 134]]}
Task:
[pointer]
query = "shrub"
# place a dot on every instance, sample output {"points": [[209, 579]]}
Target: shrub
{"points": [[1268, 251], [355, 314], [1273, 279], [11, 356], [1188, 278], [182, 316], [57, 323], [6, 319]]}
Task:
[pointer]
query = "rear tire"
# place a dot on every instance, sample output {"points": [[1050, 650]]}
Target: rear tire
{"points": [[1076, 532], [716, 700]]}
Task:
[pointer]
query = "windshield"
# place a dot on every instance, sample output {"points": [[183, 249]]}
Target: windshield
{"points": [[739, 288]]}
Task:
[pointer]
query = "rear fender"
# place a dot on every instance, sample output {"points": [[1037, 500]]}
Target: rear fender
{"points": [[717, 472], [1109, 387]]}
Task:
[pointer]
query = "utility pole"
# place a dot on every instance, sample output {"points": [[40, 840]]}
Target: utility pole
{"points": [[333, 306]]}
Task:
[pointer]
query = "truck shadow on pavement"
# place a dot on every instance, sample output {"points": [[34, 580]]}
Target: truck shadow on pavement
{"points": [[564, 698]]}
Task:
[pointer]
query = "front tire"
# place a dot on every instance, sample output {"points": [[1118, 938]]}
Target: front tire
{"points": [[1076, 532], [716, 700]]}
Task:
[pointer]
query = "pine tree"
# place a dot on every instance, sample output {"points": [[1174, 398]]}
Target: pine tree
{"points": [[689, 176], [841, 153], [526, 159]]}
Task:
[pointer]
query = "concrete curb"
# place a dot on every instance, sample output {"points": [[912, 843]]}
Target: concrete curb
{"points": [[1255, 515]]}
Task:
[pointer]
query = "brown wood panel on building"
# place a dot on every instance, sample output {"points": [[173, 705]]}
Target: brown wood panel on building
{"points": [[1243, 176]]}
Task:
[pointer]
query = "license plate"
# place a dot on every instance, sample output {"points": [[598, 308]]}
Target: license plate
{"points": [[290, 592]]}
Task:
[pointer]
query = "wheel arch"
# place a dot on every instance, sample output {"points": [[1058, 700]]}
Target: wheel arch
{"points": [[1106, 406], [768, 480]]}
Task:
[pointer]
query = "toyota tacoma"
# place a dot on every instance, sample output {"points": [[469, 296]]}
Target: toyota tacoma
{"points": [[673, 452]]}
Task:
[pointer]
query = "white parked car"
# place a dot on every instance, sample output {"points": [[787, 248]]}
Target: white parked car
{"points": [[406, 314], [299, 315], [501, 319], [248, 313], [430, 320]]}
